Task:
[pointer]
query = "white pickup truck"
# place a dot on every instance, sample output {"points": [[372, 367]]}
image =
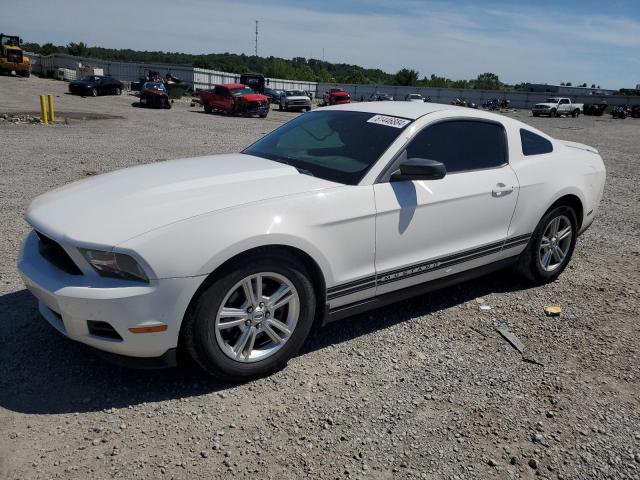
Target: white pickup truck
{"points": [[556, 107]]}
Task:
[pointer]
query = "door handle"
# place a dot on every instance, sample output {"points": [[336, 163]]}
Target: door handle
{"points": [[500, 190]]}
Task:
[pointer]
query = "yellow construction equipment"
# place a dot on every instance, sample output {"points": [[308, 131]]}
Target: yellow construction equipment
{"points": [[12, 58]]}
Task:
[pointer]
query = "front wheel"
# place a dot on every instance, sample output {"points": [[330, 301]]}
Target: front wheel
{"points": [[94, 92], [553, 112], [252, 318], [551, 246], [118, 91]]}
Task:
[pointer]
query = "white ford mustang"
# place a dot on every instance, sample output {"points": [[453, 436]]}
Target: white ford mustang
{"points": [[340, 210]]}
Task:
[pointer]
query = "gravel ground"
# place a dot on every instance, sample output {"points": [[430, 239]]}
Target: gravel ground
{"points": [[421, 389]]}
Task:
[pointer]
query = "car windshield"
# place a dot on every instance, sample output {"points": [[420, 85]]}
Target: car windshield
{"points": [[294, 93], [154, 86], [236, 92], [415, 95], [339, 146]]}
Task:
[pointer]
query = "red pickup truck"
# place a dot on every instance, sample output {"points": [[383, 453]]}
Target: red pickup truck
{"points": [[336, 96], [234, 98]]}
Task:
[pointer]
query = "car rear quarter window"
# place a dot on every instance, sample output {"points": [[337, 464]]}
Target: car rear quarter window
{"points": [[533, 144], [461, 145]]}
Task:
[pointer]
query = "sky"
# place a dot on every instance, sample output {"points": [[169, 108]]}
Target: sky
{"points": [[538, 41]]}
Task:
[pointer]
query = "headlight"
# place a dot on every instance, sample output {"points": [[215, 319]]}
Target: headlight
{"points": [[117, 265]]}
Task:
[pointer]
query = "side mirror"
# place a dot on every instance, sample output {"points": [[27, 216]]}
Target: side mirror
{"points": [[419, 169]]}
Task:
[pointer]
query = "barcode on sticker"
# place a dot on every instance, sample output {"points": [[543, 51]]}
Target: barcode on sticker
{"points": [[394, 122]]}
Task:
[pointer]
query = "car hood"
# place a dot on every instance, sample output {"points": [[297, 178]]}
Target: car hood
{"points": [[297, 97], [253, 97], [108, 209], [544, 104]]}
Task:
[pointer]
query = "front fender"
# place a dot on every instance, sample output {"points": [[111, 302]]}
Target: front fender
{"points": [[335, 227]]}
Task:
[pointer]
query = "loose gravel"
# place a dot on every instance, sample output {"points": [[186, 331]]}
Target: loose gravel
{"points": [[423, 389]]}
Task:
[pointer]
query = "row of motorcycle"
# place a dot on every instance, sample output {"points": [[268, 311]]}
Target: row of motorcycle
{"points": [[493, 104], [624, 111]]}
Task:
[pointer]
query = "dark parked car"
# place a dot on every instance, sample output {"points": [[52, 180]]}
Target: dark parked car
{"points": [[94, 85], [380, 97], [154, 94], [273, 94]]}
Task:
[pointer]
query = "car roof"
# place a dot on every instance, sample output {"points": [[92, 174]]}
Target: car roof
{"points": [[398, 109], [232, 85], [415, 110]]}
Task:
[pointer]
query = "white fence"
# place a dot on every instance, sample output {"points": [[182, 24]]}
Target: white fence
{"points": [[198, 78]]}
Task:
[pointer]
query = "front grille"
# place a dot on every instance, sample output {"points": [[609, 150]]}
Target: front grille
{"points": [[54, 253], [102, 329]]}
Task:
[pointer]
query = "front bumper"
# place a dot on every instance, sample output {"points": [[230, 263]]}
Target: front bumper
{"points": [[256, 109], [68, 301]]}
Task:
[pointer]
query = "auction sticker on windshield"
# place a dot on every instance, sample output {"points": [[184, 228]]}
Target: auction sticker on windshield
{"points": [[394, 122]]}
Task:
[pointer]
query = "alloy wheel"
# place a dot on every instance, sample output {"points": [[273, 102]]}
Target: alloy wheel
{"points": [[257, 317], [555, 243]]}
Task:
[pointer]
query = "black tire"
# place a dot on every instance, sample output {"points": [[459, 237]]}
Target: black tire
{"points": [[198, 335], [536, 114], [553, 112], [576, 113], [94, 92], [207, 108], [529, 265], [167, 103], [118, 91], [306, 109]]}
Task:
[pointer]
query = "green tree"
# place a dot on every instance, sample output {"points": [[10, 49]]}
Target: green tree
{"points": [[325, 77], [355, 75], [304, 72], [48, 49], [488, 81], [79, 49], [279, 68], [406, 77]]}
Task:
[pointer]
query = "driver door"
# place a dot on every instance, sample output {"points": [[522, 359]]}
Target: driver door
{"points": [[427, 229]]}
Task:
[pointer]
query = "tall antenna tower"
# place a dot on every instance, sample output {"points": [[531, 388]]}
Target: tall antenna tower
{"points": [[256, 52]]}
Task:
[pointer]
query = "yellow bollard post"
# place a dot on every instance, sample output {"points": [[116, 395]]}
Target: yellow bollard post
{"points": [[43, 110], [52, 115]]}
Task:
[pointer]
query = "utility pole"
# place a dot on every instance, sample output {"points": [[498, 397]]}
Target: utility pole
{"points": [[256, 52]]}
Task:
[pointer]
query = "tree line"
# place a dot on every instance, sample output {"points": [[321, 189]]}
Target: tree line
{"points": [[298, 68]]}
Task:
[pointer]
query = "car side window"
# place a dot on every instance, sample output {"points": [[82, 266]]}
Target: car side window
{"points": [[533, 144], [219, 91], [565, 101], [461, 145]]}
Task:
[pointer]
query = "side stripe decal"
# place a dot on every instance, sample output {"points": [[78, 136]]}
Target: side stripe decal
{"points": [[424, 267]]}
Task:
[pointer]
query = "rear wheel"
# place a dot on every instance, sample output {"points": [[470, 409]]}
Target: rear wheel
{"points": [[252, 318], [551, 246], [207, 108], [94, 92], [118, 91], [576, 113]]}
